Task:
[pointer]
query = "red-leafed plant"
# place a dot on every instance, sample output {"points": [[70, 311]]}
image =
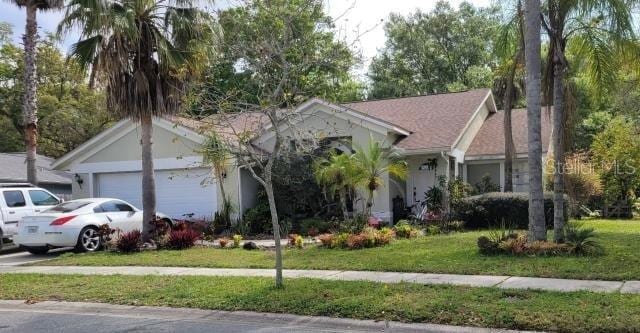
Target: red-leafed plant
{"points": [[182, 239], [129, 241]]}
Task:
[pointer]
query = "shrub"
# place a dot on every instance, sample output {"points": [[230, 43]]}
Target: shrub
{"points": [[258, 219], [369, 237], [285, 226], [242, 227], [485, 210], [546, 248], [129, 241], [223, 242], [433, 230], [183, 239], [299, 242], [106, 234], [291, 239], [405, 230], [451, 226], [340, 240], [160, 230], [357, 241], [581, 240], [487, 246], [314, 226], [385, 235], [514, 245], [326, 239], [353, 225], [236, 240]]}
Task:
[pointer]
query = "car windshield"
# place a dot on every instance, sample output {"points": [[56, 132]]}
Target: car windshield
{"points": [[67, 207]]}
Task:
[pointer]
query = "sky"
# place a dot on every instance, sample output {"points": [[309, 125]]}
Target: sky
{"points": [[363, 18]]}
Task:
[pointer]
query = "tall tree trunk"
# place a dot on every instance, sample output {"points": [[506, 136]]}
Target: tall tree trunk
{"points": [[148, 177], [29, 103], [509, 148], [537, 228], [276, 225], [558, 152]]}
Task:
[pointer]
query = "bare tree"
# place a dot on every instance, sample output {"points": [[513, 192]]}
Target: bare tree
{"points": [[282, 46]]}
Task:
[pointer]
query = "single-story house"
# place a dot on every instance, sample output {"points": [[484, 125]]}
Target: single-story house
{"points": [[454, 135], [13, 169]]}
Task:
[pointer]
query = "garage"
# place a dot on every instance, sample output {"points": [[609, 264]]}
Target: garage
{"points": [[178, 191]]}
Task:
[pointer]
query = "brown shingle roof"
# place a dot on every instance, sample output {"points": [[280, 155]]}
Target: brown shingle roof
{"points": [[227, 126], [435, 121], [490, 138]]}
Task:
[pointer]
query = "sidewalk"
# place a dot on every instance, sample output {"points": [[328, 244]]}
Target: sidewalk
{"points": [[505, 282]]}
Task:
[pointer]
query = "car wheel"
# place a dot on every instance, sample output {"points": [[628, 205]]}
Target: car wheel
{"points": [[37, 249], [89, 240], [1, 239]]}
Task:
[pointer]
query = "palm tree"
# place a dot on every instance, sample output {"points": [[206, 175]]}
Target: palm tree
{"points": [[29, 101], [510, 49], [537, 228], [143, 52], [600, 29], [373, 162], [216, 154], [338, 175]]}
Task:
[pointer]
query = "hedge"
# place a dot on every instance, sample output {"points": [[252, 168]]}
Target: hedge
{"points": [[492, 209]]}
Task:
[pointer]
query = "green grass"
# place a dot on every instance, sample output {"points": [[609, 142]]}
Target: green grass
{"points": [[486, 307], [456, 253]]}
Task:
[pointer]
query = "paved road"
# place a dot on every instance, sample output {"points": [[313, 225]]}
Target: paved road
{"points": [[16, 316]]}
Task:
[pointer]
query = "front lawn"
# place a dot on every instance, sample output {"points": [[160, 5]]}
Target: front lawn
{"points": [[454, 305], [455, 253]]}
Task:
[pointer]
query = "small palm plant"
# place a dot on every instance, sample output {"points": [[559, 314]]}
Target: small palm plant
{"points": [[338, 174], [374, 162], [582, 240]]}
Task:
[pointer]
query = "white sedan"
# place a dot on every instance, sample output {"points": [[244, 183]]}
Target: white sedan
{"points": [[75, 224]]}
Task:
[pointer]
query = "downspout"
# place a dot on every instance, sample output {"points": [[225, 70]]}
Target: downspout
{"points": [[240, 211]]}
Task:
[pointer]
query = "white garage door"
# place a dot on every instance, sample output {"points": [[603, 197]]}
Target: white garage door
{"points": [[177, 191]]}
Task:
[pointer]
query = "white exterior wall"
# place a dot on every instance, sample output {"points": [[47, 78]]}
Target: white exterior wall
{"points": [[419, 181], [121, 151]]}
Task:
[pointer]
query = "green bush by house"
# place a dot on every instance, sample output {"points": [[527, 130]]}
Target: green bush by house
{"points": [[495, 208]]}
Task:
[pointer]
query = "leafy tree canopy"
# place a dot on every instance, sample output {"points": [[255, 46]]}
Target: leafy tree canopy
{"points": [[444, 50], [244, 73], [69, 112]]}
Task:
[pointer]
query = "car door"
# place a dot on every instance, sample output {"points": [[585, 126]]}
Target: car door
{"points": [[16, 207], [119, 215], [42, 200]]}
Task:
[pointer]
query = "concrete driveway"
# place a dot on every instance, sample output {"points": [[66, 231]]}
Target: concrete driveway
{"points": [[14, 257]]}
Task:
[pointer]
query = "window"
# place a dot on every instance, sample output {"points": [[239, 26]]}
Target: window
{"points": [[115, 206], [14, 199], [42, 198], [67, 207]]}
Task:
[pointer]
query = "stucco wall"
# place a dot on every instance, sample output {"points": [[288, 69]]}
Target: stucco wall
{"points": [[419, 181], [165, 145], [474, 126], [323, 122], [475, 172], [81, 191]]}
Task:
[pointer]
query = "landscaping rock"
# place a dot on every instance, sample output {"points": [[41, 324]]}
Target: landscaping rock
{"points": [[250, 246]]}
